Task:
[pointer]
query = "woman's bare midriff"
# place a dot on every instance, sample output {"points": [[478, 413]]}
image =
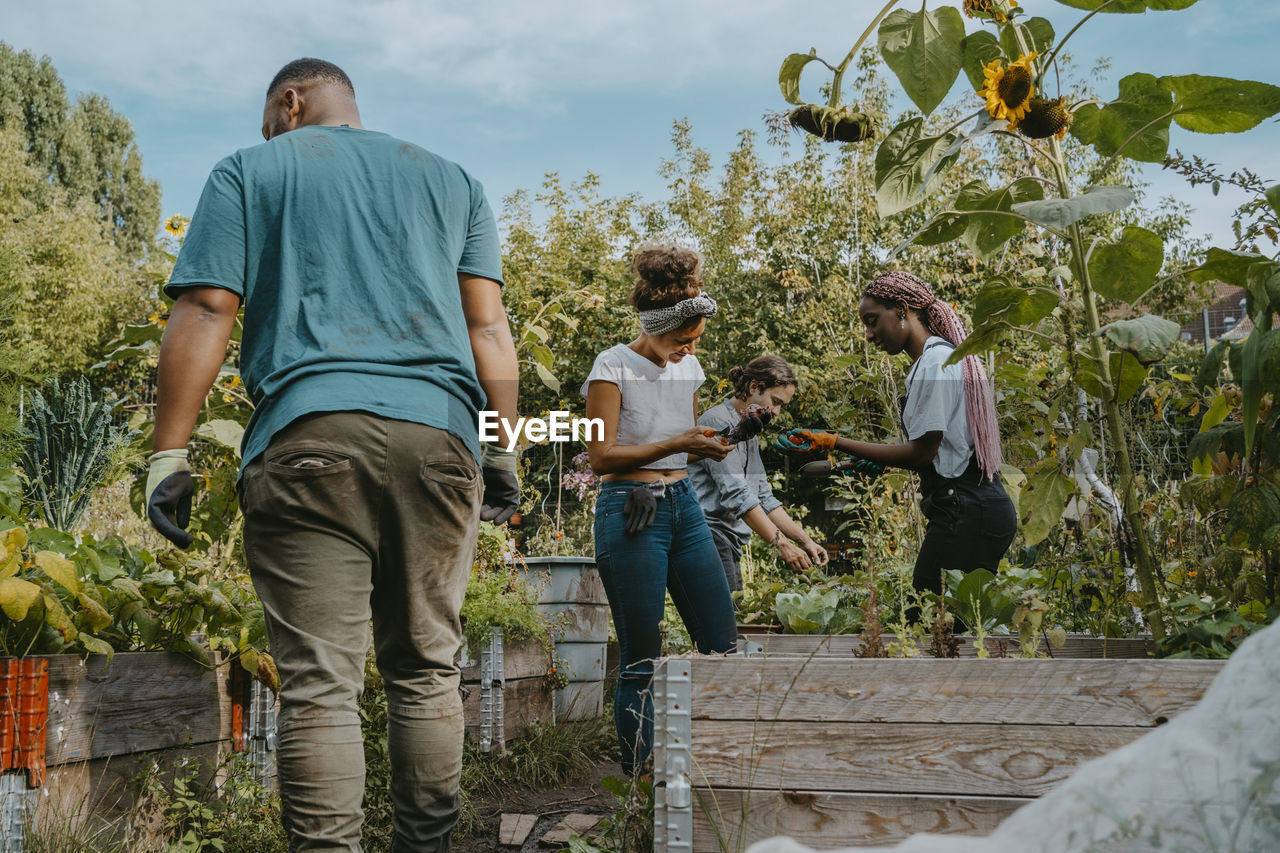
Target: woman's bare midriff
{"points": [[648, 475]]}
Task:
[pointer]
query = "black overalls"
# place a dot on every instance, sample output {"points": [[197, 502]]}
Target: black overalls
{"points": [[971, 519]]}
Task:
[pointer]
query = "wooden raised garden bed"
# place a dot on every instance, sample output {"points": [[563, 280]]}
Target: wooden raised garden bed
{"points": [[505, 691], [846, 645], [77, 729], [839, 751]]}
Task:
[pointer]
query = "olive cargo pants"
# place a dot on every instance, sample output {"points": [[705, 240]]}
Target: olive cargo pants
{"points": [[351, 517]]}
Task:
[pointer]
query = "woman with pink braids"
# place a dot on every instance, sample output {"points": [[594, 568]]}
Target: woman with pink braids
{"points": [[949, 417]]}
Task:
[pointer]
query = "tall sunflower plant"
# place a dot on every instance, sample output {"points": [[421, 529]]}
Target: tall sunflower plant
{"points": [[1096, 290]]}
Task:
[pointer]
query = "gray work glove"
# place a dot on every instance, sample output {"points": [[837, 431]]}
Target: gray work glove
{"points": [[641, 505], [500, 472], [168, 496]]}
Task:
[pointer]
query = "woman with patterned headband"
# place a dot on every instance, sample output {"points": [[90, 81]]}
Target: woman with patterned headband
{"points": [[949, 417], [650, 534]]}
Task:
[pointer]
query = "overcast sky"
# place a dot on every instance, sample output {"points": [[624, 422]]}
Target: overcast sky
{"points": [[512, 90]]}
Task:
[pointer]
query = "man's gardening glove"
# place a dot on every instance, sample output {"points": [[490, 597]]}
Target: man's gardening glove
{"points": [[641, 505], [805, 441], [168, 496], [499, 469]]}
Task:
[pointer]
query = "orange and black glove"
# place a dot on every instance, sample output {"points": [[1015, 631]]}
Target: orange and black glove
{"points": [[805, 441]]}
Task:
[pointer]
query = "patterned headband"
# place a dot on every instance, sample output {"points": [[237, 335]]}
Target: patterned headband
{"points": [[659, 321]]}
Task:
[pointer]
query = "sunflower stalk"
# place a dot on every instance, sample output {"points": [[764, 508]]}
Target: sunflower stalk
{"points": [[1130, 506]]}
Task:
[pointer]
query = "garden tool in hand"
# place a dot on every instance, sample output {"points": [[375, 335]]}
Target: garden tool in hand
{"points": [[857, 464], [801, 440], [168, 495], [754, 418], [641, 505], [500, 471]]}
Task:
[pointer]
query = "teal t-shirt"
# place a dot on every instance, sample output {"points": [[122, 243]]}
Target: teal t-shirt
{"points": [[344, 246]]}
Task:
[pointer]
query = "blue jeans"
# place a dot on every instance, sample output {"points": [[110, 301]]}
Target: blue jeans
{"points": [[675, 553]]}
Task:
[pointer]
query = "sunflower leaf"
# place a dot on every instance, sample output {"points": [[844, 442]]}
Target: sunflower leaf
{"points": [[1220, 104], [1136, 123], [789, 75], [1227, 266], [1061, 212], [1127, 376], [1126, 269], [903, 160], [979, 48], [1003, 299], [924, 49], [986, 232], [1147, 336], [1036, 32]]}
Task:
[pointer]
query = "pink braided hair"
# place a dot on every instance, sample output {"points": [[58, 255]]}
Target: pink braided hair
{"points": [[901, 287]]}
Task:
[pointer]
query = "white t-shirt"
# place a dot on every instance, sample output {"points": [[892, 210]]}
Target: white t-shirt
{"points": [[657, 402], [935, 402]]}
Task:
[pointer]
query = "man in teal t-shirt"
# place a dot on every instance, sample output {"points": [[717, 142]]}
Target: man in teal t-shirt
{"points": [[370, 273]]}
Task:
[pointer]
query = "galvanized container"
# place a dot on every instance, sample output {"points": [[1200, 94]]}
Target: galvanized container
{"points": [[572, 595]]}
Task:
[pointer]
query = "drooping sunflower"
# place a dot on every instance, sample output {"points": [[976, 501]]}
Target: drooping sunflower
{"points": [[833, 124], [986, 9], [1008, 90], [1046, 117]]}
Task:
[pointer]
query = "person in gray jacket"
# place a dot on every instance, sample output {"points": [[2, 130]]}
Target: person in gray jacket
{"points": [[735, 493]]}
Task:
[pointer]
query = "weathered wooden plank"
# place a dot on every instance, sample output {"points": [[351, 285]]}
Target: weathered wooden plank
{"points": [[524, 701], [897, 758], [732, 819], [105, 790], [141, 701], [1042, 692], [518, 661], [837, 645]]}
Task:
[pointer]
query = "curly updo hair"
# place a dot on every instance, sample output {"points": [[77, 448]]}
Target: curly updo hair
{"points": [[664, 275], [768, 371]]}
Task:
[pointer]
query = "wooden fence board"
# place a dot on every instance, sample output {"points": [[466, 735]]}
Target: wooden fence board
{"points": [[897, 758], [1076, 646], [141, 701], [1044, 692], [732, 819]]}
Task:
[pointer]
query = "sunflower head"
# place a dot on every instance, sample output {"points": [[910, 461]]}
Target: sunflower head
{"points": [[985, 9], [1046, 117], [176, 224], [1008, 90], [833, 124]]}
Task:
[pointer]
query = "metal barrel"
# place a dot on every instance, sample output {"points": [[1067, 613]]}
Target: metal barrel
{"points": [[572, 596]]}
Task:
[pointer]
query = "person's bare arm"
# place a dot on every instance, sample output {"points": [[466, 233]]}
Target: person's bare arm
{"points": [[914, 454], [492, 346], [191, 354], [604, 401]]}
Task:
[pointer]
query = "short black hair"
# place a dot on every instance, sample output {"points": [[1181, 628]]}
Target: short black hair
{"points": [[308, 68]]}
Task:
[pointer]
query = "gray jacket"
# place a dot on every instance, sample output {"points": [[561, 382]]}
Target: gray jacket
{"points": [[727, 490]]}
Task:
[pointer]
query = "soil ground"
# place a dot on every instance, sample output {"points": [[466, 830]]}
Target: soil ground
{"points": [[586, 796]]}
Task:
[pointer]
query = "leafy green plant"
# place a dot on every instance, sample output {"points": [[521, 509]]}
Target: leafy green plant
{"points": [[59, 594], [819, 610], [499, 596], [979, 600], [69, 446], [630, 828], [1205, 627]]}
